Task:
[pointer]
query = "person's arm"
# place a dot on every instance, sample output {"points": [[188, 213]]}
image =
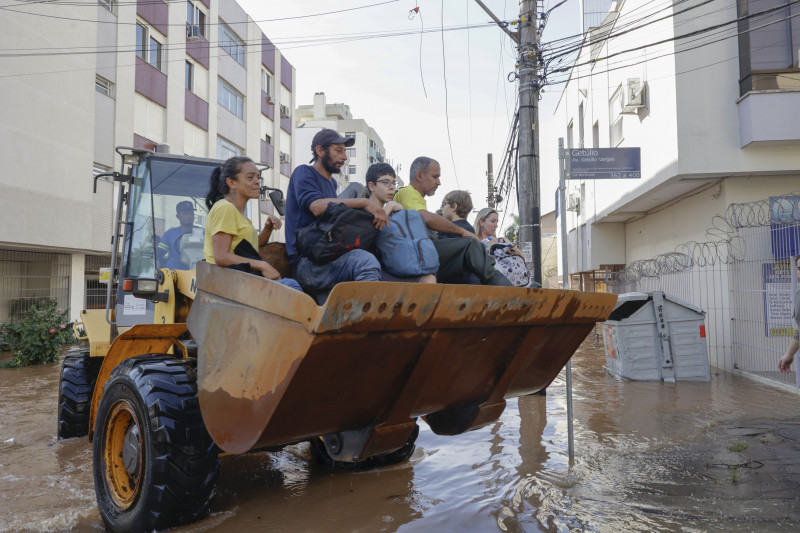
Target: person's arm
{"points": [[392, 207], [786, 361], [379, 217], [224, 257], [442, 225], [272, 223]]}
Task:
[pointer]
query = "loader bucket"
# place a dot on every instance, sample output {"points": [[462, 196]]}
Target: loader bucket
{"points": [[275, 368]]}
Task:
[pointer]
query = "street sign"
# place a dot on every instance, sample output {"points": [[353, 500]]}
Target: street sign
{"points": [[603, 163]]}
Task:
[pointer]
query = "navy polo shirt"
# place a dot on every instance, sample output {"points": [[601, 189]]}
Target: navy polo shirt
{"points": [[305, 186]]}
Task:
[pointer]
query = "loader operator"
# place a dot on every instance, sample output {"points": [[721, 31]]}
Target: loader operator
{"points": [[311, 188], [169, 246], [458, 257]]}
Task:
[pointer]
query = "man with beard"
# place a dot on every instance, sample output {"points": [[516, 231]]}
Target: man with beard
{"points": [[311, 189]]}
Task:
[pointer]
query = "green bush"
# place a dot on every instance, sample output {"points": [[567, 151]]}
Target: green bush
{"points": [[38, 335]]}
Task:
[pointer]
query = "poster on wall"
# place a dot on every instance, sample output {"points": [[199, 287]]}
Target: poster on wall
{"points": [[778, 298]]}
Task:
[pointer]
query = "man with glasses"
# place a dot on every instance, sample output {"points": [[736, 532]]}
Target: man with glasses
{"points": [[458, 257]]}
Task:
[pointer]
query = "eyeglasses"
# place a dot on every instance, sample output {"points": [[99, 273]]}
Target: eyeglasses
{"points": [[389, 183]]}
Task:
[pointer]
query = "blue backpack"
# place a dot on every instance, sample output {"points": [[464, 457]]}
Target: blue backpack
{"points": [[404, 246]]}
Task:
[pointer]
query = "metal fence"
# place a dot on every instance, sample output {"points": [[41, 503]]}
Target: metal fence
{"points": [[27, 278], [744, 278], [95, 295]]}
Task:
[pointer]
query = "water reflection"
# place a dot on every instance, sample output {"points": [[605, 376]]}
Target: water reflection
{"points": [[649, 457]]}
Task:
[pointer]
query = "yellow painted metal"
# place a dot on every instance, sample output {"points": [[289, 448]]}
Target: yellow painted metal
{"points": [[185, 282], [97, 330], [165, 311], [274, 368], [141, 339], [122, 486]]}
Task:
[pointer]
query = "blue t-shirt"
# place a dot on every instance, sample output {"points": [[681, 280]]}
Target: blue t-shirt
{"points": [[168, 246], [305, 186], [461, 223]]}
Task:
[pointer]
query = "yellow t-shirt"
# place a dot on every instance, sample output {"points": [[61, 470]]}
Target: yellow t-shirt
{"points": [[225, 217], [410, 198]]}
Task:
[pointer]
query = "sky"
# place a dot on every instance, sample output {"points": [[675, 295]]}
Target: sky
{"points": [[409, 87]]}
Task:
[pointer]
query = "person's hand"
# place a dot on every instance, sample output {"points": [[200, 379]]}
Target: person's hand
{"points": [[272, 223], [380, 218], [785, 362], [267, 270], [465, 233], [393, 207]]}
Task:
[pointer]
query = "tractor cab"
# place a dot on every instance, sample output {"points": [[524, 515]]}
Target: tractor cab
{"points": [[160, 226]]}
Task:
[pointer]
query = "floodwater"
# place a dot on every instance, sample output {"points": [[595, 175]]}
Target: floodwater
{"points": [[718, 456]]}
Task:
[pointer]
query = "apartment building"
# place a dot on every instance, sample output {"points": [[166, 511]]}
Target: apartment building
{"points": [[368, 148], [197, 77], [717, 117]]}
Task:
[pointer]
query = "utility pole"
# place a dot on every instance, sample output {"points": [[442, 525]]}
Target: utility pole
{"points": [[490, 178], [527, 39]]}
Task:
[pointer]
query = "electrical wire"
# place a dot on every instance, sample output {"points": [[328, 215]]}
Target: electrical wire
{"points": [[446, 111]]}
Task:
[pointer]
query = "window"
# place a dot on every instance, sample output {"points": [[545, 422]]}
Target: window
{"points": [[350, 134], [231, 43], [351, 152], [189, 76], [195, 17], [615, 117], [266, 81], [769, 55], [148, 47], [352, 169], [103, 86], [230, 98], [226, 149], [596, 135], [141, 41], [268, 139], [108, 4], [580, 126]]}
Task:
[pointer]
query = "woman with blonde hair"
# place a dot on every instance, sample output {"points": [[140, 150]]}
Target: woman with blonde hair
{"points": [[508, 258]]}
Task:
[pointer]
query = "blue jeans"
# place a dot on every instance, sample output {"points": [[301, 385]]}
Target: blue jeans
{"points": [[289, 282], [358, 265]]}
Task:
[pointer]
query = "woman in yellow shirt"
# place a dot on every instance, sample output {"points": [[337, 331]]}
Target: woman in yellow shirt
{"points": [[230, 238]]}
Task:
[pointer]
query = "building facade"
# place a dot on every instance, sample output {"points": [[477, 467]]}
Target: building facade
{"points": [[368, 148], [718, 124], [196, 77]]}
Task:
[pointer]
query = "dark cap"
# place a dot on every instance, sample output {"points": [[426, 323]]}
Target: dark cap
{"points": [[186, 205], [326, 137]]}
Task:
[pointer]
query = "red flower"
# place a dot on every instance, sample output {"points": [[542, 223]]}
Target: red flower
{"points": [[52, 330], [63, 326]]}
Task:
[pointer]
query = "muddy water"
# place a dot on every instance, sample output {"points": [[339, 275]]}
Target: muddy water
{"points": [[719, 456]]}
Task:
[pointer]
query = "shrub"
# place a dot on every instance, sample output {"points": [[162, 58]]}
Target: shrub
{"points": [[38, 335]]}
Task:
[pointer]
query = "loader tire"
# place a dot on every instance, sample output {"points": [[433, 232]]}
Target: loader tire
{"points": [[155, 465], [75, 390], [400, 455]]}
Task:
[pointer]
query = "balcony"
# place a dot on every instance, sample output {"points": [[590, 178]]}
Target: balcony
{"points": [[769, 118]]}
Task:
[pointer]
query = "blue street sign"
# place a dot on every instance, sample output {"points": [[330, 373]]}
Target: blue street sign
{"points": [[604, 163]]}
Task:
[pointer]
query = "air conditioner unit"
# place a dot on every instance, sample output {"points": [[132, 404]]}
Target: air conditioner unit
{"points": [[285, 111], [574, 202], [633, 97], [193, 32], [285, 158]]}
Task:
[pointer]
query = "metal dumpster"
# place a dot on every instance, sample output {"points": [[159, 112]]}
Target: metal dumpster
{"points": [[655, 336]]}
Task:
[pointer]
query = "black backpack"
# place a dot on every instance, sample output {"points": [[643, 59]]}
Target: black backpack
{"points": [[338, 230]]}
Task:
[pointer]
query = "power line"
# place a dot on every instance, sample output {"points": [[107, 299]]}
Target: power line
{"points": [[288, 44], [94, 4], [446, 112]]}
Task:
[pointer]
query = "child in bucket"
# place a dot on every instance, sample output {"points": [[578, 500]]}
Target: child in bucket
{"points": [[230, 238], [382, 183]]}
